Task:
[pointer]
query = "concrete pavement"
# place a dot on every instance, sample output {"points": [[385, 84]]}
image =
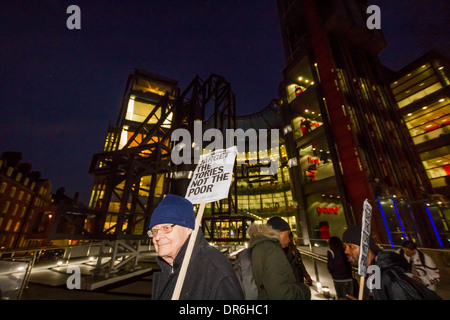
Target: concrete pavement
{"points": [[49, 282]]}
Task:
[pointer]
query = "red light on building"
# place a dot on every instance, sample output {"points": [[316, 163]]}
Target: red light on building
{"points": [[327, 210]]}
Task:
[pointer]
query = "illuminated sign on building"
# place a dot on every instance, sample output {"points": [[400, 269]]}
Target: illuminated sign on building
{"points": [[327, 210], [313, 160]]}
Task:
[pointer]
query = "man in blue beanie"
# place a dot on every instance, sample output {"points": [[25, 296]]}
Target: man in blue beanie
{"points": [[209, 276]]}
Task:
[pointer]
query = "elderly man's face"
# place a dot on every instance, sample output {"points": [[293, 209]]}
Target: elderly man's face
{"points": [[167, 245], [352, 252]]}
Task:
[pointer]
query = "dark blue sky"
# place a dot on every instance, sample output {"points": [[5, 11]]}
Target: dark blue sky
{"points": [[61, 88]]}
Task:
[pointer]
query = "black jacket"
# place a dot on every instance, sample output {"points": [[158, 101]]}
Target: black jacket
{"points": [[210, 275], [295, 260], [394, 283], [338, 265]]}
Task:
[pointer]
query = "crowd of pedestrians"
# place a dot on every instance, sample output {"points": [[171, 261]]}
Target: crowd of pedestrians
{"points": [[272, 267]]}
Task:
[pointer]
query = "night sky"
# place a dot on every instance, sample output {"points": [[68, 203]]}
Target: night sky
{"points": [[61, 88]]}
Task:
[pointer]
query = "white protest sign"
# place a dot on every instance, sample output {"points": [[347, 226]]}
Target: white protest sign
{"points": [[211, 182], [212, 177], [365, 238]]}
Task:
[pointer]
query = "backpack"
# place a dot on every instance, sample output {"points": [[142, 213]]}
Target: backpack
{"points": [[412, 289], [244, 273]]}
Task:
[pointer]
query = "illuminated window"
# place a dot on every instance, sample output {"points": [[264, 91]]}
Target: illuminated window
{"points": [[315, 164], [138, 110], [16, 227], [431, 122], [16, 207], [419, 95], [3, 187], [6, 207], [146, 86], [304, 125], [437, 165], [8, 225], [416, 85], [24, 209]]}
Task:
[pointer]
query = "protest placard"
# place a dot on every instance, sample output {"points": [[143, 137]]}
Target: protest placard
{"points": [[364, 245], [212, 177], [210, 182], [365, 237]]}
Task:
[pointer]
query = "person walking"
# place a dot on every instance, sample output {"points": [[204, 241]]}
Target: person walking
{"points": [[391, 282], [290, 250], [210, 275], [421, 266], [272, 273], [339, 268]]}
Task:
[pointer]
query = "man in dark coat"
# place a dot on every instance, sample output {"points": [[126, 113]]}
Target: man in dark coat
{"points": [[289, 248], [210, 275], [272, 272], [393, 283]]}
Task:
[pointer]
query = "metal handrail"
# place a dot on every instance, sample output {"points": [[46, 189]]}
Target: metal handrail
{"points": [[36, 252], [322, 258], [384, 246]]}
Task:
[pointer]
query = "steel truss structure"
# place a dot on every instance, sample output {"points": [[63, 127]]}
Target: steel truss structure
{"points": [[120, 174], [132, 176]]}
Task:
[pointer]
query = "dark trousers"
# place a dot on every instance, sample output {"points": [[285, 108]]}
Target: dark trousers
{"points": [[343, 288]]}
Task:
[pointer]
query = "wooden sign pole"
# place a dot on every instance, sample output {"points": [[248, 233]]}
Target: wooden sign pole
{"points": [[217, 168], [361, 287], [187, 256]]}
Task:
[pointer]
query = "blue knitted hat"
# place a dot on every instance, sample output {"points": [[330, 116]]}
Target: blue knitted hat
{"points": [[174, 209]]}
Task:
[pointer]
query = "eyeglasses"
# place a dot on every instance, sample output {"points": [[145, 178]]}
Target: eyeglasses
{"points": [[165, 229]]}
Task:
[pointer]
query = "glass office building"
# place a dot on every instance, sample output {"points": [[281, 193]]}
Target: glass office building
{"points": [[422, 91], [341, 141], [346, 141]]}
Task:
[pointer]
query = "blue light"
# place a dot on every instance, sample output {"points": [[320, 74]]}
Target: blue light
{"points": [[385, 222], [399, 220], [434, 227]]}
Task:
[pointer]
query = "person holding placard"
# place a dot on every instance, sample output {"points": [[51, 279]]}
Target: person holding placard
{"points": [[386, 278], [210, 275]]}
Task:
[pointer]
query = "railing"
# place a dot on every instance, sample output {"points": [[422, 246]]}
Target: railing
{"points": [[20, 263], [51, 253], [316, 251]]}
